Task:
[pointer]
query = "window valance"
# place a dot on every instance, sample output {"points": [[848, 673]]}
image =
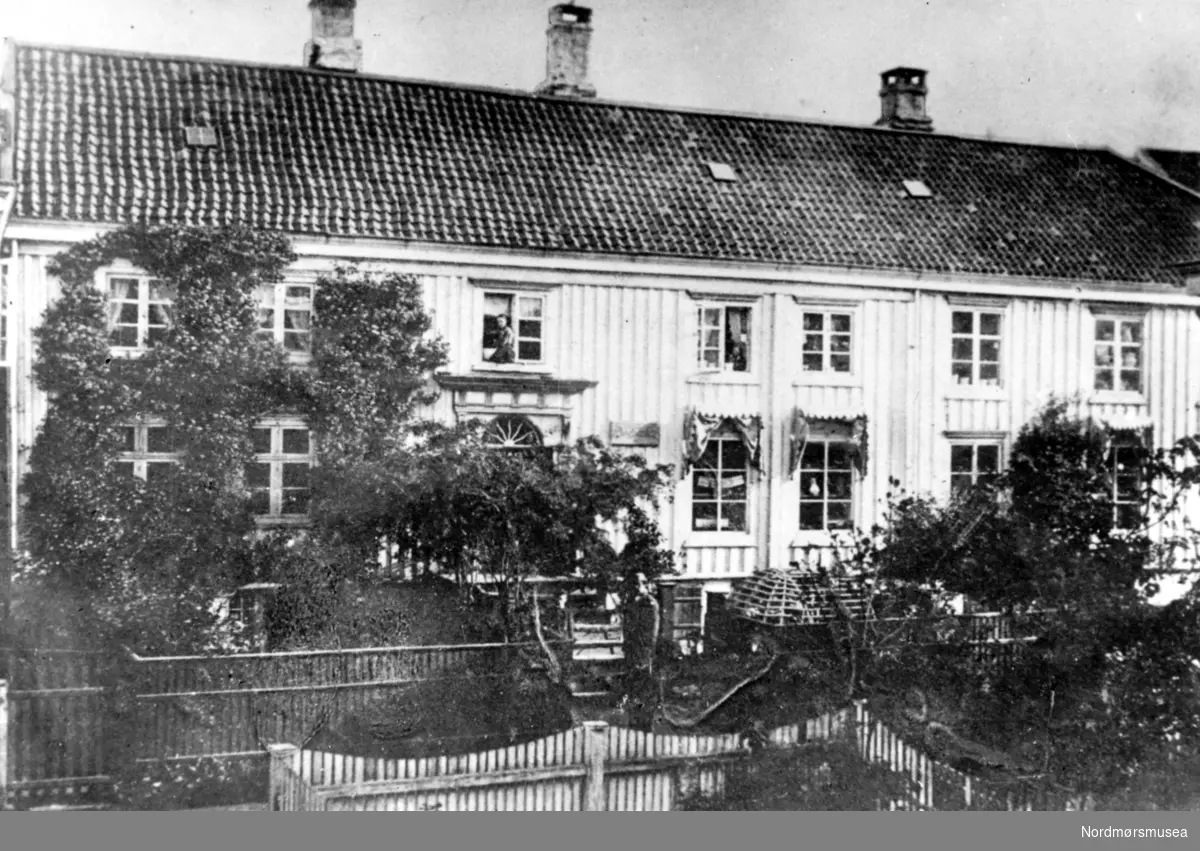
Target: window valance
{"points": [[801, 426], [699, 427]]}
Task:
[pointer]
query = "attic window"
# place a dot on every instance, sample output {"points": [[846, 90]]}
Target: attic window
{"points": [[200, 137], [722, 172], [917, 189]]}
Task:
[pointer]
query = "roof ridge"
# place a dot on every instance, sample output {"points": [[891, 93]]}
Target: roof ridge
{"points": [[597, 102]]}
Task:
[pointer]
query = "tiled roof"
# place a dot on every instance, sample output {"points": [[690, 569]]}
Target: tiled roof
{"points": [[100, 138]]}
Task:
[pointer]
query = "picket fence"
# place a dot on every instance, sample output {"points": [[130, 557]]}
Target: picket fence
{"points": [[188, 707], [598, 767]]}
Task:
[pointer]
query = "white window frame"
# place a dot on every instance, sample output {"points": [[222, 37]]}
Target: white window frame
{"points": [[723, 302], [795, 354], [515, 290], [975, 439], [719, 437], [976, 305], [282, 302], [1118, 315], [277, 458], [825, 437], [140, 456], [977, 339], [124, 269]]}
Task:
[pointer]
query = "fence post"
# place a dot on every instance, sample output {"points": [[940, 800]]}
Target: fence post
{"points": [[595, 752], [3, 744], [283, 758]]}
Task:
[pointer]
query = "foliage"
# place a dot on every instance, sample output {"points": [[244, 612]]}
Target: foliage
{"points": [[192, 784], [1107, 691], [148, 557], [815, 776]]}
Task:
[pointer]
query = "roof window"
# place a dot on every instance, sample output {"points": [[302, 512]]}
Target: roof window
{"points": [[917, 189], [722, 172], [198, 136]]}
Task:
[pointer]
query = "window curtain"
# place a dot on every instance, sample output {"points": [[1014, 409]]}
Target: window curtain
{"points": [[698, 429], [800, 429], [121, 291]]}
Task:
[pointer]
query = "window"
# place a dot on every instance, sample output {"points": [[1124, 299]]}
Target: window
{"points": [[724, 338], [1118, 354], [513, 329], [509, 432], [278, 476], [285, 316], [720, 485], [148, 451], [1125, 464], [827, 480], [975, 347], [139, 311], [826, 345], [972, 464]]}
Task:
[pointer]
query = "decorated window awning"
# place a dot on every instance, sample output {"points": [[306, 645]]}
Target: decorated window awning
{"points": [[699, 427], [801, 428], [1127, 428]]}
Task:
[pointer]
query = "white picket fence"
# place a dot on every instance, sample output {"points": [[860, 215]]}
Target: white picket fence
{"points": [[598, 767]]}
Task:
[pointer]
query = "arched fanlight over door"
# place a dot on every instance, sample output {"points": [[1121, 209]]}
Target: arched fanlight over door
{"points": [[511, 432]]}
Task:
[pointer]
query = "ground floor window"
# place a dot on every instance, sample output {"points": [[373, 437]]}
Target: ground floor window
{"points": [[972, 464], [720, 485], [278, 478], [827, 479]]}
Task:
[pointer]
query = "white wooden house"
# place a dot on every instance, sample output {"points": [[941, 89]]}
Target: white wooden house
{"points": [[790, 312]]}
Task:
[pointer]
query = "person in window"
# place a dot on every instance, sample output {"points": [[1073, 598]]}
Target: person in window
{"points": [[737, 355], [506, 342]]}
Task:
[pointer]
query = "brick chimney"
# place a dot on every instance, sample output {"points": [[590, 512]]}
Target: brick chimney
{"points": [[333, 46], [902, 98], [567, 40]]}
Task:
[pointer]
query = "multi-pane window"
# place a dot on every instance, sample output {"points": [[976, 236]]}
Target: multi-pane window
{"points": [[972, 464], [827, 482], [513, 328], [285, 316], [720, 486], [724, 341], [278, 478], [826, 346], [1118, 354], [148, 451], [139, 311], [1125, 464], [975, 347]]}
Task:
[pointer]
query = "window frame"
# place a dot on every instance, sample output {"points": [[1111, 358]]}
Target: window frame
{"points": [[277, 333], [141, 457], [824, 434], [976, 305], [1118, 347], [277, 458], [716, 441], [974, 439], [827, 376], [103, 283], [515, 290], [702, 301], [1125, 442]]}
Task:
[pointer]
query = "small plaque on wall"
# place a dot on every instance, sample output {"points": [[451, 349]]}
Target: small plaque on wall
{"points": [[633, 434]]}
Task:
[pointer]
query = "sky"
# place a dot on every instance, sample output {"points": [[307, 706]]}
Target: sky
{"points": [[1094, 73]]}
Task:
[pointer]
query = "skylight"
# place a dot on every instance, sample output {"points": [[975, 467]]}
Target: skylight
{"points": [[917, 189], [722, 172], [200, 137]]}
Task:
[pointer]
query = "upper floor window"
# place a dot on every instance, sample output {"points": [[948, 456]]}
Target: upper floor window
{"points": [[285, 316], [972, 464], [139, 311], [1118, 357], [720, 484], [278, 478], [513, 327], [148, 451], [827, 341], [827, 480], [724, 340], [975, 347]]}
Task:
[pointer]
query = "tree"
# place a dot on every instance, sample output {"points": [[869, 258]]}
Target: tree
{"points": [[1107, 693]]}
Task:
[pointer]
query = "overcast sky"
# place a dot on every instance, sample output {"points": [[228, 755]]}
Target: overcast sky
{"points": [[1118, 73]]}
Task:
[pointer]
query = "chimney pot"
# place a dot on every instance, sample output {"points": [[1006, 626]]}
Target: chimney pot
{"points": [[567, 40], [333, 46], [902, 100]]}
